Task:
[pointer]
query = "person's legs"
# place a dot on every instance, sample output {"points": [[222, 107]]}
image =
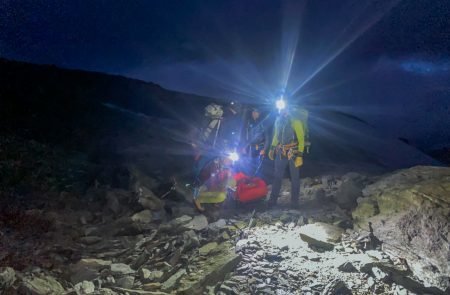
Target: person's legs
{"points": [[295, 182], [280, 166]]}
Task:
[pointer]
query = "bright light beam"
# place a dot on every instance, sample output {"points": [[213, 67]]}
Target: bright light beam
{"points": [[355, 36], [290, 38]]}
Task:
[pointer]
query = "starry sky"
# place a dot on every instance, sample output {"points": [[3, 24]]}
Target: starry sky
{"points": [[166, 41], [333, 52]]}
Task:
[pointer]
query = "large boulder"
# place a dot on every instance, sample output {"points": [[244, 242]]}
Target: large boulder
{"points": [[350, 190], [410, 212]]}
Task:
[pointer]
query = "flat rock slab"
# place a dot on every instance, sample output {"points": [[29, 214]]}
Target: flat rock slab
{"points": [[44, 285], [138, 292], [321, 235], [172, 282], [87, 269], [121, 268], [198, 223], [215, 270], [208, 248]]}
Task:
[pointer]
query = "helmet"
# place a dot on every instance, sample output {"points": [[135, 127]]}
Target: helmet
{"points": [[213, 111]]}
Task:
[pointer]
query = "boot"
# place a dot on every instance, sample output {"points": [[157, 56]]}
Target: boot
{"points": [[198, 206]]}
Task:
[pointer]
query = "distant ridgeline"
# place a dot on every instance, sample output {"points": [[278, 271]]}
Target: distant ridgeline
{"points": [[74, 107]]}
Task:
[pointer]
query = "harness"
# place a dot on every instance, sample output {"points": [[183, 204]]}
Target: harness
{"points": [[287, 150]]}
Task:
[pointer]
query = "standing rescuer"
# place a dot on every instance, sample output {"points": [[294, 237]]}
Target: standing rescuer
{"points": [[288, 145], [256, 139]]}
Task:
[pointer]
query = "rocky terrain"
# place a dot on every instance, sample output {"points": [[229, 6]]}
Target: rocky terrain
{"points": [[95, 199], [134, 241]]}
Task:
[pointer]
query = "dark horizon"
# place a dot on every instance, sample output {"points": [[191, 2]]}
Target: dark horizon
{"points": [[224, 47], [385, 62]]}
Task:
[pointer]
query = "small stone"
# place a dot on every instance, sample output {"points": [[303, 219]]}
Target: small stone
{"points": [[347, 267], [84, 287], [151, 286], [378, 273], [121, 268], [259, 253], [285, 218], [339, 248], [241, 245], [182, 220], [219, 224], [313, 257], [225, 236], [144, 216], [144, 274], [375, 254], [148, 200], [110, 280], [349, 250], [190, 239], [198, 223], [7, 277], [125, 282], [226, 289], [370, 282]]}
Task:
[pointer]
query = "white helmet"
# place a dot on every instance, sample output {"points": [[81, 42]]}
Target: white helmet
{"points": [[213, 111]]}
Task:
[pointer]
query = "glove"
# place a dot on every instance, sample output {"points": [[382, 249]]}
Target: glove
{"points": [[272, 153], [298, 162]]}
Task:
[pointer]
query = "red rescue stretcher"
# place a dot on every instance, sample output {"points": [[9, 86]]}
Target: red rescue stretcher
{"points": [[249, 189]]}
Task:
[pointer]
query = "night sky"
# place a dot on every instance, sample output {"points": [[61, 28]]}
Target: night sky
{"points": [[322, 49]]}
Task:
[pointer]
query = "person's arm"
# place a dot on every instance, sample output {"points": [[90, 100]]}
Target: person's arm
{"points": [[299, 130], [267, 134]]}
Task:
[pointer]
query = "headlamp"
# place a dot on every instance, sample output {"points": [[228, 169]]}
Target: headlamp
{"points": [[233, 156], [280, 104]]}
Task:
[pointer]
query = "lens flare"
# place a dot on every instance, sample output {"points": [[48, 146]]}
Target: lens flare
{"points": [[233, 156], [280, 104]]}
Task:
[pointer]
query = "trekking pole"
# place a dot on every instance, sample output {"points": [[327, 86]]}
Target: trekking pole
{"points": [[259, 165], [217, 132], [172, 188]]}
